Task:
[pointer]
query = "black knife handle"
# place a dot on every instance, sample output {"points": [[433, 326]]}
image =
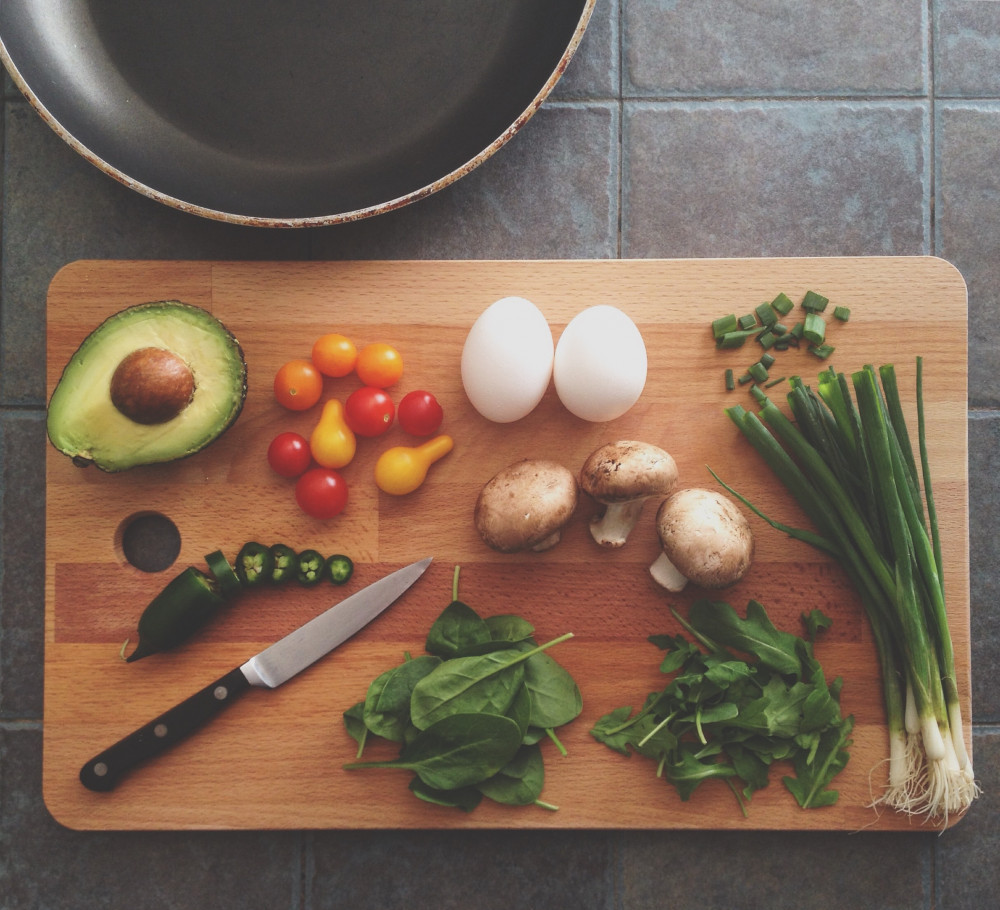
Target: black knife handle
{"points": [[104, 771]]}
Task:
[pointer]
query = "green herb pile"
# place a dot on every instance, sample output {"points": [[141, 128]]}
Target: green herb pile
{"points": [[766, 324], [848, 461], [470, 715], [722, 716]]}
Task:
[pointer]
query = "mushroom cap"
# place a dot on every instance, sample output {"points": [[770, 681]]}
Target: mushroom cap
{"points": [[706, 536], [525, 504], [625, 470]]}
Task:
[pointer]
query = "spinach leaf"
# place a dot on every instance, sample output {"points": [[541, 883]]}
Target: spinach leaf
{"points": [[458, 628], [555, 696], [464, 798], [463, 685], [354, 721], [508, 627], [470, 711], [457, 751], [520, 781], [387, 704]]}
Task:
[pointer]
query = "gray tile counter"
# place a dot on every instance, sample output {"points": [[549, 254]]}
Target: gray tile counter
{"points": [[683, 128]]}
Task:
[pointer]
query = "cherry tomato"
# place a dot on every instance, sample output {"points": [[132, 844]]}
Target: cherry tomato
{"points": [[369, 411], [289, 455], [334, 355], [321, 492], [419, 413], [332, 441], [298, 385], [379, 365]]}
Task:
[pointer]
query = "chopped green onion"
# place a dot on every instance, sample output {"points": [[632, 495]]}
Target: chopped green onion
{"points": [[730, 380], [822, 351], [735, 339], [766, 314], [783, 304], [814, 328], [774, 382], [724, 324], [842, 313], [767, 339], [767, 360], [748, 321], [814, 303], [759, 372]]}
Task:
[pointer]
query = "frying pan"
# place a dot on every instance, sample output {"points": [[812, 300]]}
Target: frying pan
{"points": [[288, 113]]}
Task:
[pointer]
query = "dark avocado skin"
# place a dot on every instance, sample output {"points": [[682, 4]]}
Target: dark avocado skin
{"points": [[83, 423]]}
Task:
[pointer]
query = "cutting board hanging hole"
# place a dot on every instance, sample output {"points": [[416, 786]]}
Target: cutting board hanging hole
{"points": [[149, 541]]}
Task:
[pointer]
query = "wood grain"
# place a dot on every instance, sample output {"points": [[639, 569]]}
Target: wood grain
{"points": [[275, 760]]}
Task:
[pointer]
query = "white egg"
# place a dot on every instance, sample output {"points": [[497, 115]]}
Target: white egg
{"points": [[600, 364], [507, 360]]}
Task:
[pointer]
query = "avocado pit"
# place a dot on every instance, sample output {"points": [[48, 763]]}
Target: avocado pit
{"points": [[152, 385]]}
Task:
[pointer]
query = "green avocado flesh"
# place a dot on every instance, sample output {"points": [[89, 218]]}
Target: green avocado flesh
{"points": [[85, 423]]}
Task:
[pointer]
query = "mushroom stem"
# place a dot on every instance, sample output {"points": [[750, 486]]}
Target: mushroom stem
{"points": [[665, 573], [612, 528]]}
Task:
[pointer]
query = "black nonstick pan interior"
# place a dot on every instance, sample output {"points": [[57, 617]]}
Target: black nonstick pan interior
{"points": [[288, 113]]}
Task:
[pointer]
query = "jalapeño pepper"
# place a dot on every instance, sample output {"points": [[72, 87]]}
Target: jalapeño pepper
{"points": [[177, 612], [311, 567], [254, 564], [339, 569], [286, 563]]}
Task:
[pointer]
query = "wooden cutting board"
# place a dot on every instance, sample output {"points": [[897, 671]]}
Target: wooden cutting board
{"points": [[274, 760]]}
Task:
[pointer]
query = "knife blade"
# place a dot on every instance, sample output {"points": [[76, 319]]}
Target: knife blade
{"points": [[270, 668]]}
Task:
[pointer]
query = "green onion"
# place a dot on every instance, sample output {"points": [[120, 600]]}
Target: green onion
{"points": [[766, 314], [842, 313], [847, 461], [735, 338], [759, 372], [730, 380], [783, 304], [814, 328], [814, 303], [747, 321], [724, 324]]}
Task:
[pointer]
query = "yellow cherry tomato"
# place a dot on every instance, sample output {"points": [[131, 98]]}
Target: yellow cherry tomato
{"points": [[379, 365], [332, 442], [401, 469]]}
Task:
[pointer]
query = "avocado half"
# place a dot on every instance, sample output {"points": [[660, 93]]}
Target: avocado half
{"points": [[153, 383]]}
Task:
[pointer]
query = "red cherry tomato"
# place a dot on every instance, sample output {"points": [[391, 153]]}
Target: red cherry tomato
{"points": [[369, 411], [288, 454], [420, 413], [321, 492]]}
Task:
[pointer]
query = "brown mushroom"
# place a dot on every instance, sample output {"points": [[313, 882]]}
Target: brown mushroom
{"points": [[526, 505], [621, 476], [705, 538]]}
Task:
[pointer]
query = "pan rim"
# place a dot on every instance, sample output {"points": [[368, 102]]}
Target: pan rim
{"points": [[323, 220]]}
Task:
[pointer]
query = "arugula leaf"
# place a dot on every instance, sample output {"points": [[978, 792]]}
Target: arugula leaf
{"points": [[725, 717]]}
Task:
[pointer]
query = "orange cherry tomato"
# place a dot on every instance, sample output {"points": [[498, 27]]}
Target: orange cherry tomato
{"points": [[298, 385], [334, 355], [379, 365]]}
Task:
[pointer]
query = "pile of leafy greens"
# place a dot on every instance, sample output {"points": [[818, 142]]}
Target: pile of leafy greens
{"points": [[723, 716], [470, 715]]}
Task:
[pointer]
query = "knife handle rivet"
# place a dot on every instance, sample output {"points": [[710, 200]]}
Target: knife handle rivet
{"points": [[100, 769], [221, 693], [160, 730]]}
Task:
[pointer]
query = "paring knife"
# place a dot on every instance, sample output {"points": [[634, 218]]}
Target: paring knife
{"points": [[270, 668]]}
